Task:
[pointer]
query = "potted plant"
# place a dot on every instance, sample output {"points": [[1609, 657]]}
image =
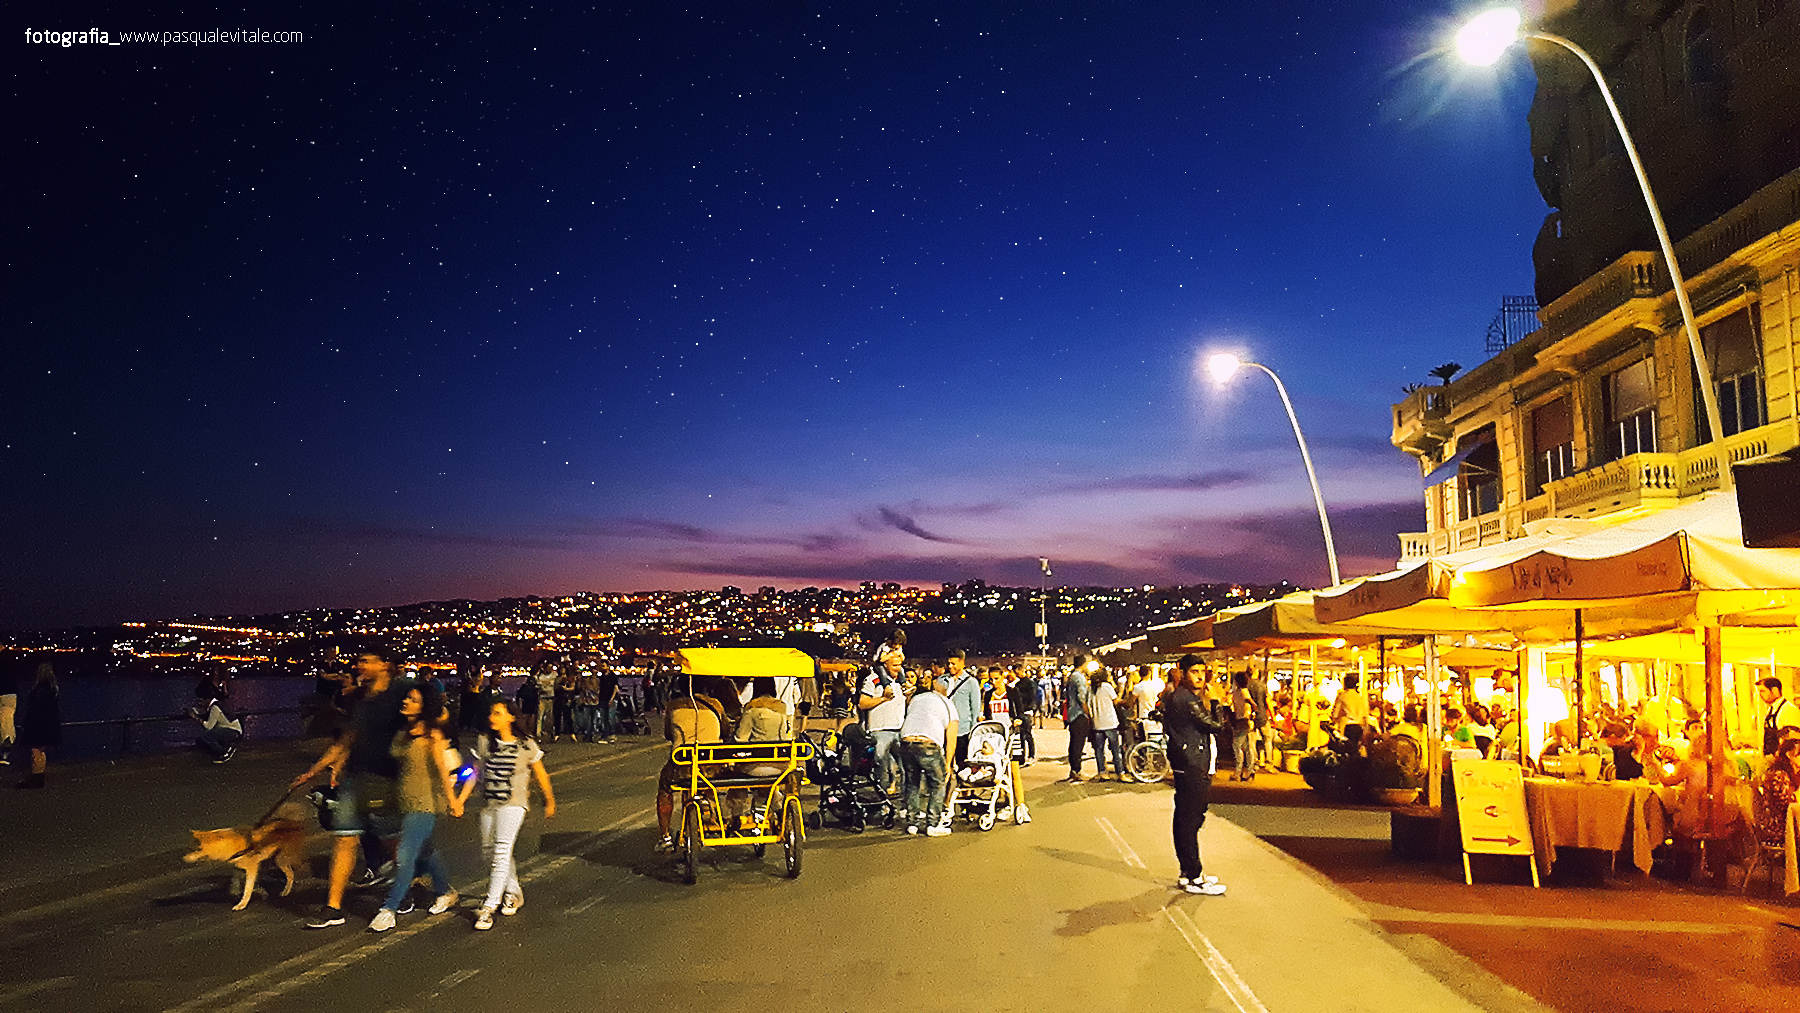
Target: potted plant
{"points": [[1394, 773]]}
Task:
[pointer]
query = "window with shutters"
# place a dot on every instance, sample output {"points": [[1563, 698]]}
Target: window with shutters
{"points": [[1732, 353], [1552, 443], [1478, 477], [1629, 399]]}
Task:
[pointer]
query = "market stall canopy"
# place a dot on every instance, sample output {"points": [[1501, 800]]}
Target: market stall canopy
{"points": [[1181, 637], [746, 662], [1687, 558], [1458, 658], [1414, 599], [1284, 622]]}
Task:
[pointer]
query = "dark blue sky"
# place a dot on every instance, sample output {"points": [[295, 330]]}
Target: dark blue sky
{"points": [[480, 301]]}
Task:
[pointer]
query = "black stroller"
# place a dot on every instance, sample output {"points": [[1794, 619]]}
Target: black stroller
{"points": [[631, 717], [843, 766]]}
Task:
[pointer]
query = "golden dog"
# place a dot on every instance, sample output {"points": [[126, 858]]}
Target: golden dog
{"points": [[248, 847]]}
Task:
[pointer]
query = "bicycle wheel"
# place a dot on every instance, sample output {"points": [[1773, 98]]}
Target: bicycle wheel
{"points": [[792, 836], [1148, 762], [690, 836]]}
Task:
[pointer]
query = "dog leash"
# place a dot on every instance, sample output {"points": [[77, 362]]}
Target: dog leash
{"points": [[264, 819]]}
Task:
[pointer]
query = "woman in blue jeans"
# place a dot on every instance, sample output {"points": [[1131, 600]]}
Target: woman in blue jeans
{"points": [[426, 788]]}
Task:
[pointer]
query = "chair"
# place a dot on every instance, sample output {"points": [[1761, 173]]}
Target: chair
{"points": [[1768, 838]]}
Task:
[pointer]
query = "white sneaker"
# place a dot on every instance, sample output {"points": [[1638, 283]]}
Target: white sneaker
{"points": [[912, 830], [444, 902], [484, 919], [937, 831], [1206, 885], [383, 920], [1003, 815], [1021, 814], [511, 903]]}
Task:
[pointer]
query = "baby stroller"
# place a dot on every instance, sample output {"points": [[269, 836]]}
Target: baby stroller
{"points": [[632, 720], [843, 766], [984, 781]]}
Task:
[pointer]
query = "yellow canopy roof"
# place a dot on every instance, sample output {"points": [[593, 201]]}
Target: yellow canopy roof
{"points": [[1688, 557], [746, 662]]}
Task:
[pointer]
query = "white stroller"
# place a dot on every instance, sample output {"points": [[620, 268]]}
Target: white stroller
{"points": [[984, 781]]}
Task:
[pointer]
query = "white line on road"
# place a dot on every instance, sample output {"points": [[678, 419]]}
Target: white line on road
{"points": [[584, 905], [535, 870], [34, 988], [456, 978], [57, 906], [604, 760], [1216, 964], [1118, 842]]}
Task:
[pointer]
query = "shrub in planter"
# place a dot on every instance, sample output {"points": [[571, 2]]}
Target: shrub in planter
{"points": [[1394, 774]]}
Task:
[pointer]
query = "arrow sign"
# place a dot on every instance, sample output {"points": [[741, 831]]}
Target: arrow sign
{"points": [[1491, 795]]}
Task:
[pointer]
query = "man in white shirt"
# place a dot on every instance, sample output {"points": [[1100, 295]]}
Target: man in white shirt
{"points": [[925, 735], [1780, 713], [884, 709]]}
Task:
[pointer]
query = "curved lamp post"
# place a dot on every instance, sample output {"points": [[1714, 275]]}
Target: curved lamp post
{"points": [[1222, 366], [1482, 41]]}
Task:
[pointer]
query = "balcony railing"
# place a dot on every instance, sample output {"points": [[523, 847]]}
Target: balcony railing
{"points": [[1636, 275], [1640, 480], [1421, 421]]}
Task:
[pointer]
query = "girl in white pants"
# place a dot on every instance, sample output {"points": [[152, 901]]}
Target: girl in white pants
{"points": [[505, 756]]}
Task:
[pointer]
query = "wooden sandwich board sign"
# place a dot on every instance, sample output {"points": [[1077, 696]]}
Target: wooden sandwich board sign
{"points": [[1490, 805]]}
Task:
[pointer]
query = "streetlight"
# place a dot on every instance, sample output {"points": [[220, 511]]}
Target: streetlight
{"points": [[1222, 366], [1482, 41], [1043, 623]]}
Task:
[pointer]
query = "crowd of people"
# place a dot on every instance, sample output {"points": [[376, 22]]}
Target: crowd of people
{"points": [[392, 771]]}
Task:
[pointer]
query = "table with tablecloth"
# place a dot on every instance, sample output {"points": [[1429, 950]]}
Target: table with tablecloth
{"points": [[1606, 815]]}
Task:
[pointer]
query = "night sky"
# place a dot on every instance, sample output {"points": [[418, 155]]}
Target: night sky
{"points": [[487, 301]]}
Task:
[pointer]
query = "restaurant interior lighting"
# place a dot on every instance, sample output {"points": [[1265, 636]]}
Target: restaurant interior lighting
{"points": [[1547, 705]]}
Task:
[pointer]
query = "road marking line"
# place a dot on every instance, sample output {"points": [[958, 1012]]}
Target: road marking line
{"points": [[1216, 964], [614, 758], [1118, 842], [365, 950], [456, 978], [584, 905], [56, 906], [34, 988]]}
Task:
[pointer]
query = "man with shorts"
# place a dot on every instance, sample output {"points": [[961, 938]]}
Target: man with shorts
{"points": [[364, 773]]}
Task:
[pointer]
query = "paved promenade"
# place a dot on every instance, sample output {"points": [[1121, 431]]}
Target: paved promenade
{"points": [[1073, 911]]}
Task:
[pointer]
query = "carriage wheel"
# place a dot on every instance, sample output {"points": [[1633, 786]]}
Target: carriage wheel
{"points": [[986, 821], [690, 839], [791, 835]]}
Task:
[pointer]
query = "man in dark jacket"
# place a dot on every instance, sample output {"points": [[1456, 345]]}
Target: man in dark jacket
{"points": [[1190, 723]]}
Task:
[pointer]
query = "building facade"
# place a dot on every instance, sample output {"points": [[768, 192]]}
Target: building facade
{"points": [[1598, 414], [1707, 88]]}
